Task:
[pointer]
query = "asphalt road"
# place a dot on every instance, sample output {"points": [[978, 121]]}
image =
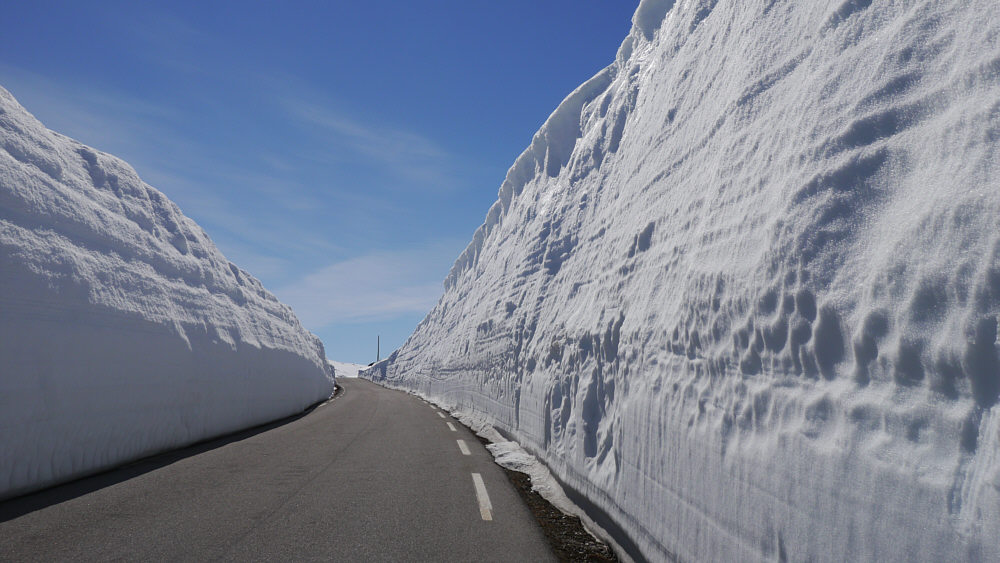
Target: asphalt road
{"points": [[374, 475]]}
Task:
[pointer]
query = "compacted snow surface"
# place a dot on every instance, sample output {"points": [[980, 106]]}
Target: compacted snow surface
{"points": [[123, 329], [741, 291]]}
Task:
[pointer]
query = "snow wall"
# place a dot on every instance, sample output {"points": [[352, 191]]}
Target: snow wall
{"points": [[123, 330], [741, 291]]}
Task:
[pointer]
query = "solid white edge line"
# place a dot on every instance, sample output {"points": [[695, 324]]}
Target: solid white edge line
{"points": [[485, 507], [441, 414], [452, 427], [463, 447]]}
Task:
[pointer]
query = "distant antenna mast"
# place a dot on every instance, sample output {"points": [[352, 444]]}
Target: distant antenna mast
{"points": [[378, 347]]}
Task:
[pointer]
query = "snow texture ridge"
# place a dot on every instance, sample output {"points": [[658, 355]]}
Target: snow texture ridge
{"points": [[742, 290], [123, 330]]}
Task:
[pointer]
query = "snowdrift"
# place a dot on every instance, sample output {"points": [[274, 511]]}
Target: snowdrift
{"points": [[123, 330], [345, 369], [741, 291]]}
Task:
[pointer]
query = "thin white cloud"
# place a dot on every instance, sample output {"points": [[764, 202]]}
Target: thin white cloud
{"points": [[100, 118], [407, 155], [137, 131], [372, 141], [373, 287], [270, 243]]}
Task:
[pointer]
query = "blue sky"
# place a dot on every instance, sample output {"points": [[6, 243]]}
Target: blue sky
{"points": [[342, 152]]}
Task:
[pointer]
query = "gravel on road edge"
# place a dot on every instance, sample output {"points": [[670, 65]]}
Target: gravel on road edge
{"points": [[567, 536]]}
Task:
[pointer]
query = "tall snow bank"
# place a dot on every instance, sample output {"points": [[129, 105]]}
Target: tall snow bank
{"points": [[742, 290], [123, 329]]}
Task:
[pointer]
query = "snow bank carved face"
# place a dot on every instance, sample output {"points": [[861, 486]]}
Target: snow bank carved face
{"points": [[781, 285], [124, 330]]}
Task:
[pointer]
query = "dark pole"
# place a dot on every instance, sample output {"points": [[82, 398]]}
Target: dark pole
{"points": [[378, 347]]}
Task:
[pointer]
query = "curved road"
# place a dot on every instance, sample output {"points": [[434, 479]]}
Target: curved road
{"points": [[374, 475]]}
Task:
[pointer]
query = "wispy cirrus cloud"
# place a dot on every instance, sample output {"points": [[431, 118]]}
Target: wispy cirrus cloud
{"points": [[372, 287], [98, 117], [283, 210], [407, 155]]}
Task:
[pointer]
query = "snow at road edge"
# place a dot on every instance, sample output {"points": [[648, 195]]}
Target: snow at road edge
{"points": [[741, 291]]}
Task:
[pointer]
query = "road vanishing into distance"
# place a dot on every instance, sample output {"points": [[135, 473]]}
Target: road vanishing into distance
{"points": [[373, 475]]}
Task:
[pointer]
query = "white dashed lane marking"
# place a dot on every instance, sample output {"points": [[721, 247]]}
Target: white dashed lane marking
{"points": [[452, 427], [463, 447], [485, 508], [441, 414]]}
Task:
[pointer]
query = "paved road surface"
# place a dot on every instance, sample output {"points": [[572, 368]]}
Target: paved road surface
{"points": [[374, 475]]}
